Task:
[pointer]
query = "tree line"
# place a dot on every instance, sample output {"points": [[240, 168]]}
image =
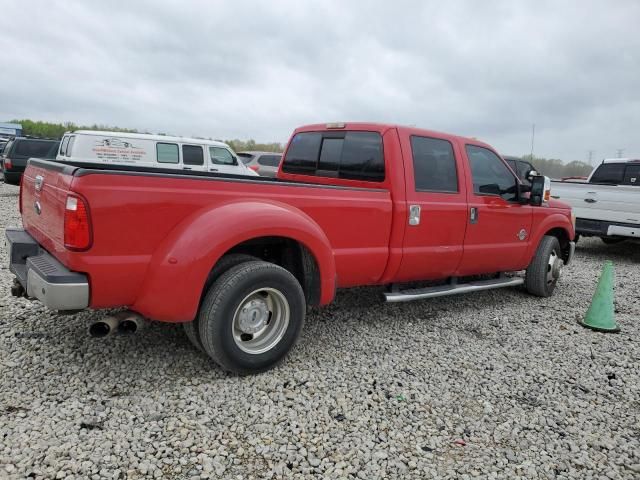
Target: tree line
{"points": [[551, 167], [555, 168]]}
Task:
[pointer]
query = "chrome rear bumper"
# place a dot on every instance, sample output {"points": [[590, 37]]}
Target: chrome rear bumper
{"points": [[43, 277]]}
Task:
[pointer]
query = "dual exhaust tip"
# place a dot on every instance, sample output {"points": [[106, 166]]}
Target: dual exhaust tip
{"points": [[124, 323]]}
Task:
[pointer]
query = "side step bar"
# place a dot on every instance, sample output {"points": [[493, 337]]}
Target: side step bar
{"points": [[451, 289]]}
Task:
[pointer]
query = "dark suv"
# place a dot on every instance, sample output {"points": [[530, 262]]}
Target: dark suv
{"points": [[18, 151]]}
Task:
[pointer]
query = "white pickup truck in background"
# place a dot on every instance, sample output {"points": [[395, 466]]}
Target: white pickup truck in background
{"points": [[607, 204]]}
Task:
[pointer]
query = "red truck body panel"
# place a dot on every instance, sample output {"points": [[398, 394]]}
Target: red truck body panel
{"points": [[157, 236]]}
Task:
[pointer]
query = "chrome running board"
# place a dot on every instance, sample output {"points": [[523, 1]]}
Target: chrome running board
{"points": [[451, 289]]}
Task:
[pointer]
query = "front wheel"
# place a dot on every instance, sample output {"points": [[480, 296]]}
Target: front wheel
{"points": [[251, 317], [544, 270]]}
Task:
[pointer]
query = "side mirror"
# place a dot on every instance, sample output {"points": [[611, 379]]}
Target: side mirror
{"points": [[540, 190], [530, 174]]}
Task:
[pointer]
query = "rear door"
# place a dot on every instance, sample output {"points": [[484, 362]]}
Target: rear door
{"points": [[437, 204], [498, 227]]}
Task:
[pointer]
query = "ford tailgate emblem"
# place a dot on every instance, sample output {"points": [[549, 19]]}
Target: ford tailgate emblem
{"points": [[39, 182]]}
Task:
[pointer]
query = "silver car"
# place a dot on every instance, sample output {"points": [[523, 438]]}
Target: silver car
{"points": [[265, 163]]}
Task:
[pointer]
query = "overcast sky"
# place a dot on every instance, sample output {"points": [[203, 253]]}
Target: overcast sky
{"points": [[237, 69]]}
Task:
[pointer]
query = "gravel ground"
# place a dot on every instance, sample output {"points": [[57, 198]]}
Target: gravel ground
{"points": [[490, 385]]}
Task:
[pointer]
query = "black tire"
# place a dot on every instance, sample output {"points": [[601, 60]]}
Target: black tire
{"points": [[611, 240], [220, 314], [537, 280], [225, 263]]}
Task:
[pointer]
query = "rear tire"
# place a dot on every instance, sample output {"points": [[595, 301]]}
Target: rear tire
{"points": [[251, 317], [544, 270], [191, 329]]}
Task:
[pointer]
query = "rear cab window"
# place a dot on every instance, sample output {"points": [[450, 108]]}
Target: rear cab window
{"points": [[33, 148], [610, 173], [350, 155]]}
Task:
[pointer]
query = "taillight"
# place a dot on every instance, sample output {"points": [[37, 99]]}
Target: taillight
{"points": [[77, 224], [7, 164], [20, 199]]}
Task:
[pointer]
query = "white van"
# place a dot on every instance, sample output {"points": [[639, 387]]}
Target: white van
{"points": [[156, 151]]}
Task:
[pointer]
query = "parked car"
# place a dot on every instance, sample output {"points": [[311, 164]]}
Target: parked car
{"points": [[156, 151], [265, 163], [521, 168], [607, 205], [18, 151], [237, 260]]}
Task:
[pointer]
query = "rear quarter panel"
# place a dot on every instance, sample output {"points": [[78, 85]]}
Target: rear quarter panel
{"points": [[138, 219]]}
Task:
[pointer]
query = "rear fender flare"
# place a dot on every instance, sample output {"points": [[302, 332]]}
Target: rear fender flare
{"points": [[180, 265]]}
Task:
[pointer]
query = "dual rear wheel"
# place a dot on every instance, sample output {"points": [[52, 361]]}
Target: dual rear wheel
{"points": [[251, 315]]}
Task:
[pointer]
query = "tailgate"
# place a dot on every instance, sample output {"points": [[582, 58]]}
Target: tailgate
{"points": [[43, 196]]}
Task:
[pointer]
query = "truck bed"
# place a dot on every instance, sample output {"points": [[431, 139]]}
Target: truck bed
{"points": [[137, 215]]}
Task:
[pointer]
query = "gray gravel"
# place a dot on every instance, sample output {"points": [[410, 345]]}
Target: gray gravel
{"points": [[490, 385]]}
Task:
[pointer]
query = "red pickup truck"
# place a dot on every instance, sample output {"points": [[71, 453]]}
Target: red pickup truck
{"points": [[238, 259]]}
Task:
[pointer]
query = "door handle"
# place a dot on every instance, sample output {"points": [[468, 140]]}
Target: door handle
{"points": [[473, 215], [590, 200], [186, 168], [414, 215], [213, 169]]}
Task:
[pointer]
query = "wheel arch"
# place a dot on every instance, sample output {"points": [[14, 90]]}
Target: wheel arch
{"points": [[181, 264]]}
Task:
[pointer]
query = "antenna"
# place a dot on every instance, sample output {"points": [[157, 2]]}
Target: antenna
{"points": [[590, 157], [619, 152], [533, 136]]}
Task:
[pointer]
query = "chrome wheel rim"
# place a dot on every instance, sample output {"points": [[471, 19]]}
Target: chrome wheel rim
{"points": [[554, 267], [260, 321]]}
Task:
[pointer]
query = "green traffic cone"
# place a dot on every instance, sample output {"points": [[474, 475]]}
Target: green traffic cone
{"points": [[600, 316]]}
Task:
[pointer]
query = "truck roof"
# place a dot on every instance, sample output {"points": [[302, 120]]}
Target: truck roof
{"points": [[621, 160], [149, 136], [382, 127]]}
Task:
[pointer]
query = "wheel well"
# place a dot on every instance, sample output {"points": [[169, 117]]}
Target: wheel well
{"points": [[289, 254], [563, 237]]}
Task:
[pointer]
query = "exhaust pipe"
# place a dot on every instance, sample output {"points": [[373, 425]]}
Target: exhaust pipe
{"points": [[104, 327], [130, 323]]}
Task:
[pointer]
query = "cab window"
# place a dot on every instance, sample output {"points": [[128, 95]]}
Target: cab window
{"points": [[434, 165], [221, 156], [348, 155], [490, 175], [167, 153], [63, 145], [192, 155]]}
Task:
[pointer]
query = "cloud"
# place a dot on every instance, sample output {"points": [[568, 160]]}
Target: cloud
{"points": [[259, 69]]}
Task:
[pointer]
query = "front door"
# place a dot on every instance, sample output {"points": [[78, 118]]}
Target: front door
{"points": [[499, 227], [437, 205], [221, 161]]}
